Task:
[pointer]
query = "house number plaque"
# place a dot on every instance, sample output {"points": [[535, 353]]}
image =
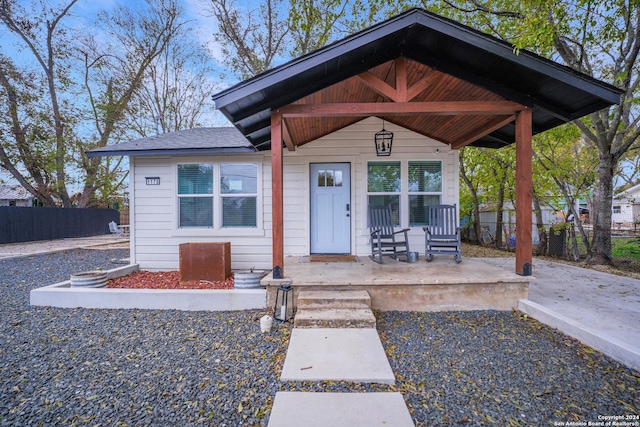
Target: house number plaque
{"points": [[152, 180]]}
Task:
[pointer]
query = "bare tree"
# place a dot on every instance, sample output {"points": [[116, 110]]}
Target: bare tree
{"points": [[251, 41], [176, 90], [77, 94]]}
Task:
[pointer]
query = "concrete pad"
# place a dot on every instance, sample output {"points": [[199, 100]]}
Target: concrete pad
{"points": [[599, 309], [624, 352], [291, 409], [354, 355]]}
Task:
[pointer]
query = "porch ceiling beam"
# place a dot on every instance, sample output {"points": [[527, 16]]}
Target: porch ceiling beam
{"points": [[494, 124], [401, 109], [419, 86], [401, 79], [286, 136], [402, 92]]}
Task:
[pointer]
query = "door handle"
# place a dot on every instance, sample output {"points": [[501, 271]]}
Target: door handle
{"points": [[348, 209]]}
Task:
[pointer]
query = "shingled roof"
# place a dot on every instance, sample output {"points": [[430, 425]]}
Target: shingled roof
{"points": [[215, 140]]}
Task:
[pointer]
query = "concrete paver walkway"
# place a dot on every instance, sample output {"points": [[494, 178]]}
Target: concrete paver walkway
{"points": [[291, 409], [327, 354]]}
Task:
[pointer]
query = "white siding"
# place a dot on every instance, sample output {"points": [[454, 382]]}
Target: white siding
{"points": [[156, 235]]}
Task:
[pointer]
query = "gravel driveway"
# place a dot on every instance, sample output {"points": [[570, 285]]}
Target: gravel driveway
{"points": [[174, 368]]}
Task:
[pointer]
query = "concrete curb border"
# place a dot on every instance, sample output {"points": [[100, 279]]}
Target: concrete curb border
{"points": [[63, 296], [620, 351]]}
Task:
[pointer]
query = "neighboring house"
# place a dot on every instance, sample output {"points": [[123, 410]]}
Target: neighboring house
{"points": [[626, 208], [297, 173], [15, 195]]}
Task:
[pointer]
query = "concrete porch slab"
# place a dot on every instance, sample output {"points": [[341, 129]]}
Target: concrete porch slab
{"points": [[324, 354], [292, 409], [440, 285]]}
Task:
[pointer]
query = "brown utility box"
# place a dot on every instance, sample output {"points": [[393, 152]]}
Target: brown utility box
{"points": [[205, 261]]}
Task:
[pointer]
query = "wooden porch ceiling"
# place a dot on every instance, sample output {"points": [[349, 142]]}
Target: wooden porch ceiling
{"points": [[403, 92]]}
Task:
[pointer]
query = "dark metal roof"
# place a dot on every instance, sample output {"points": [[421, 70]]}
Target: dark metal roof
{"points": [[196, 141], [555, 93]]}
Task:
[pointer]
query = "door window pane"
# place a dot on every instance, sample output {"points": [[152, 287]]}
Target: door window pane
{"points": [[338, 178]]}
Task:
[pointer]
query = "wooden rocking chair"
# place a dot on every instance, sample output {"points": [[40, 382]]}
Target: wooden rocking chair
{"points": [[442, 235], [383, 236]]}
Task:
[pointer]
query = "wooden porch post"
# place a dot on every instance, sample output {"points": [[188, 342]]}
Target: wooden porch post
{"points": [[524, 193], [276, 196]]}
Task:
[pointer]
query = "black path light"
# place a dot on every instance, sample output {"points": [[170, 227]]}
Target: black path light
{"points": [[283, 309], [384, 141]]}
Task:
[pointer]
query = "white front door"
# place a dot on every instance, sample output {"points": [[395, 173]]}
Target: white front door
{"points": [[330, 208]]}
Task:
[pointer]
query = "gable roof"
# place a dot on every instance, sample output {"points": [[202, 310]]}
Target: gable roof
{"points": [[629, 192], [460, 62], [218, 140]]}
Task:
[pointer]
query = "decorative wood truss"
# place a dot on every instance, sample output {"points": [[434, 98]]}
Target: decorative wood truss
{"points": [[406, 93]]}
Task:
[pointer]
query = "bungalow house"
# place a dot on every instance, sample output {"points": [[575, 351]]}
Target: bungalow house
{"points": [[295, 174], [626, 208], [15, 195]]}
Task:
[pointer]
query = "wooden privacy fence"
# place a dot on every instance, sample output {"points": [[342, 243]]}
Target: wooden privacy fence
{"points": [[27, 224]]}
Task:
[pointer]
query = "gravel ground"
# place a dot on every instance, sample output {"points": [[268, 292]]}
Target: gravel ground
{"points": [[169, 368]]}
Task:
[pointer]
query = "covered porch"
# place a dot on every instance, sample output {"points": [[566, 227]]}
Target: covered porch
{"points": [[440, 285], [431, 76]]}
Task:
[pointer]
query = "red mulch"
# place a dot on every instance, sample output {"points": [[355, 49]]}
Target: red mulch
{"points": [[164, 280]]}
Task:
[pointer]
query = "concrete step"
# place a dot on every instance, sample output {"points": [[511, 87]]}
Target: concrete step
{"points": [[335, 318], [293, 409], [333, 299]]}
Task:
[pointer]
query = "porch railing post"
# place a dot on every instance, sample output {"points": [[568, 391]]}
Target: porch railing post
{"points": [[524, 193], [277, 196]]}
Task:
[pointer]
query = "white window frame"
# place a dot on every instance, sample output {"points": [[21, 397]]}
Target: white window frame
{"points": [[388, 193], [222, 196], [217, 229], [422, 193], [211, 196], [404, 187]]}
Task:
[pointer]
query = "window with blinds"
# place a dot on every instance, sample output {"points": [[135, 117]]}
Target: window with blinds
{"points": [[217, 195], [195, 195], [239, 193], [409, 186], [384, 186], [424, 188]]}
